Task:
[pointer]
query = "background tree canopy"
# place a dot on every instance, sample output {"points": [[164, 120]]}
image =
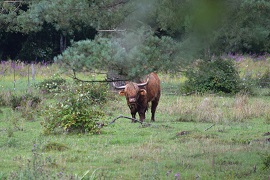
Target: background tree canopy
{"points": [[158, 34]]}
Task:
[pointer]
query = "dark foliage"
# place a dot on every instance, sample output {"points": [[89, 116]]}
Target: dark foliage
{"points": [[52, 85], [78, 110], [266, 161], [19, 102], [264, 81], [213, 76]]}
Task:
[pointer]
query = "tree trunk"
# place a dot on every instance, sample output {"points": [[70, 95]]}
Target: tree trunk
{"points": [[63, 43]]}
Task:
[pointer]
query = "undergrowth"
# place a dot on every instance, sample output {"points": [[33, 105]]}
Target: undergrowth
{"points": [[78, 109]]}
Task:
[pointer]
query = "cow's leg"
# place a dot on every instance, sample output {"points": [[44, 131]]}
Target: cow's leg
{"points": [[133, 116], [153, 109], [142, 114]]}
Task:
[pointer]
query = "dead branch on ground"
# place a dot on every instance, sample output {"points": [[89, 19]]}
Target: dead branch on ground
{"points": [[209, 127], [121, 116]]}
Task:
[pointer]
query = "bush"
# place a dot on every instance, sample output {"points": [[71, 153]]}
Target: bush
{"points": [[4, 99], [77, 111], [266, 161], [264, 81], [18, 102], [249, 84], [213, 76], [27, 104], [98, 93], [51, 85]]}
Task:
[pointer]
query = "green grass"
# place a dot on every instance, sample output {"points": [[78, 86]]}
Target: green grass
{"points": [[205, 137], [123, 150]]}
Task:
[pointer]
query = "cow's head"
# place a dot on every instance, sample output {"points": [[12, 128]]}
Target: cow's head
{"points": [[132, 91]]}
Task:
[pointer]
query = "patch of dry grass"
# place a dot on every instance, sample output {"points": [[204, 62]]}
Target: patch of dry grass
{"points": [[214, 108], [253, 68]]}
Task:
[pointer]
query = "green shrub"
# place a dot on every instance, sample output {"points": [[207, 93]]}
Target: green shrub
{"points": [[51, 85], [26, 104], [264, 81], [212, 76], [266, 161], [21, 101], [249, 84], [55, 146], [16, 123], [4, 98], [77, 110], [96, 92], [15, 101]]}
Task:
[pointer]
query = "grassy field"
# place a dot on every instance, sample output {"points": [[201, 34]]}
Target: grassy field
{"points": [[194, 137]]}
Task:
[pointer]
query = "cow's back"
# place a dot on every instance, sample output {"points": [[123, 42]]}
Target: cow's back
{"points": [[153, 87]]}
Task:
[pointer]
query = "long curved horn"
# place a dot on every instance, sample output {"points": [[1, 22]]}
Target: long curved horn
{"points": [[145, 83], [118, 87]]}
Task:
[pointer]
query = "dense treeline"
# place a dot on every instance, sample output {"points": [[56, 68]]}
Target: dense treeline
{"points": [[41, 29]]}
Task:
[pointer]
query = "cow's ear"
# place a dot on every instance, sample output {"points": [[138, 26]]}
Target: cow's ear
{"points": [[143, 92], [122, 93]]}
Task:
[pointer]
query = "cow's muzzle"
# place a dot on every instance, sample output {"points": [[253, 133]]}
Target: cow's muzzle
{"points": [[132, 100], [132, 106]]}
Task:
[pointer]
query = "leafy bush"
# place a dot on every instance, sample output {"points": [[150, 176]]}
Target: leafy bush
{"points": [[266, 161], [4, 98], [77, 110], [264, 81], [15, 122], [16, 101], [251, 84], [26, 104], [98, 93], [55, 146], [51, 85], [213, 76]]}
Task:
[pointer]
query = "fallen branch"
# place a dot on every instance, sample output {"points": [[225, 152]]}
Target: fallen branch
{"points": [[209, 127], [121, 116]]}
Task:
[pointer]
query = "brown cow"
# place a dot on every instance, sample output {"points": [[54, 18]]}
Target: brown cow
{"points": [[138, 96]]}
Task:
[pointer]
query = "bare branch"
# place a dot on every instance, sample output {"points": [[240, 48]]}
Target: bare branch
{"points": [[21, 2], [96, 81], [209, 127], [13, 1], [17, 8], [121, 116], [115, 4], [112, 30]]}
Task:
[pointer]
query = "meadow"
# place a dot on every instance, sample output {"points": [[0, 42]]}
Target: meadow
{"points": [[194, 137]]}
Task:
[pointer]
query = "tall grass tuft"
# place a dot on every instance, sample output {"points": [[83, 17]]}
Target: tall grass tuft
{"points": [[215, 109], [5, 98], [39, 167]]}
